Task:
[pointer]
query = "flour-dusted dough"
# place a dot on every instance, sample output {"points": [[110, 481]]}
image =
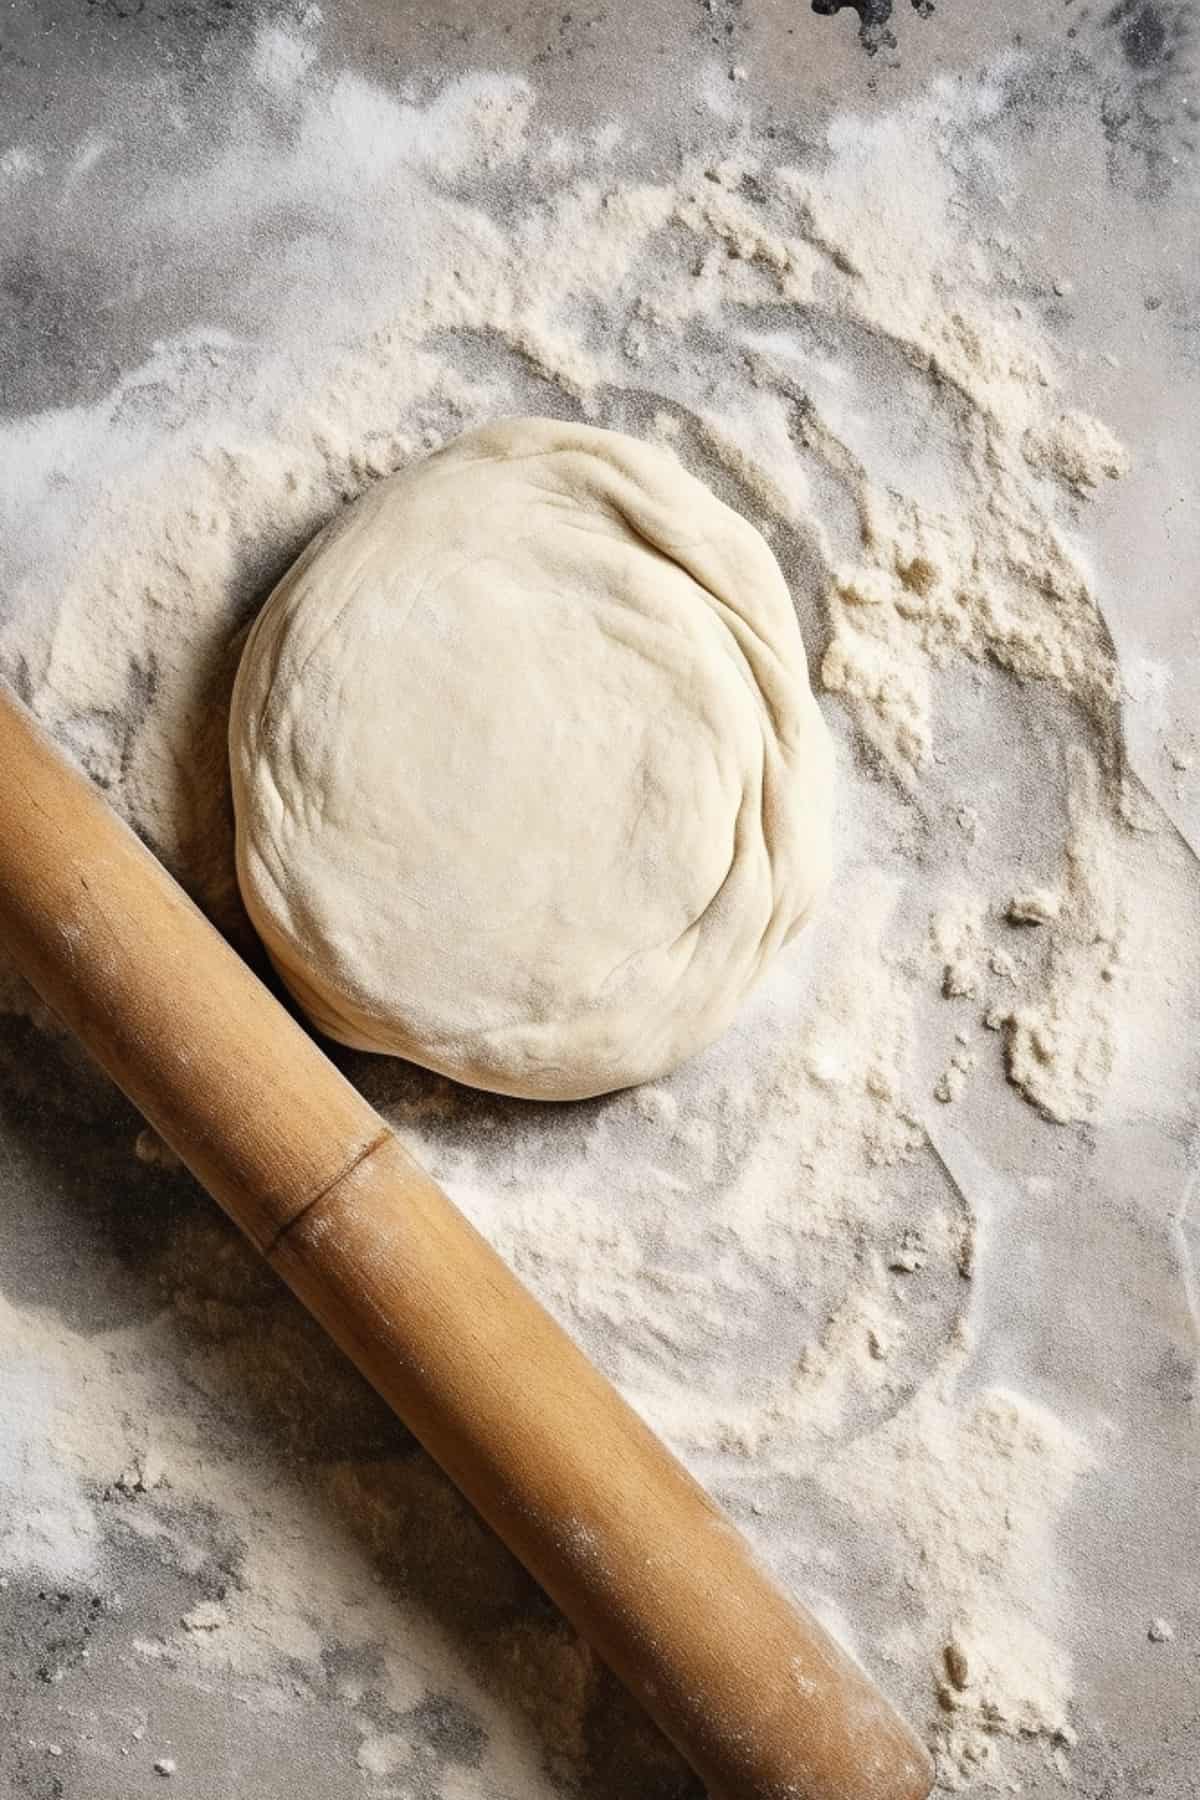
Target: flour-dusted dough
{"points": [[530, 784]]}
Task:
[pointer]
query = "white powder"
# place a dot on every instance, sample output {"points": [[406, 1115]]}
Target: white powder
{"points": [[1060, 1046], [45, 1519], [991, 1480], [761, 1251], [957, 930], [1037, 906]]}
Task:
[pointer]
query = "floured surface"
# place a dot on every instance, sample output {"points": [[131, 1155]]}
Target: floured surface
{"points": [[900, 1266]]}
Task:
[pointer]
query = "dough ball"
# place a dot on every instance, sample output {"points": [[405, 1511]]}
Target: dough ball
{"points": [[530, 783]]}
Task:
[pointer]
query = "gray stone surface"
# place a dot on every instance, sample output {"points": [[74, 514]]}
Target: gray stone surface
{"points": [[90, 1236]]}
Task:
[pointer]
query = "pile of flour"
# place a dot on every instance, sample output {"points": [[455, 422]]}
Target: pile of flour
{"points": [[766, 1252]]}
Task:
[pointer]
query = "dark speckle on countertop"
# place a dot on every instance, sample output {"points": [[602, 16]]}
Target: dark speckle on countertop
{"points": [[1144, 32], [1150, 109], [874, 28]]}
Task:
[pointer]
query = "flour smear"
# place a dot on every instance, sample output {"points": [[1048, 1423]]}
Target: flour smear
{"points": [[764, 1251]]}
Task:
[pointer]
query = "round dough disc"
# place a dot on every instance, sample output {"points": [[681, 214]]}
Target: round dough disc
{"points": [[530, 783]]}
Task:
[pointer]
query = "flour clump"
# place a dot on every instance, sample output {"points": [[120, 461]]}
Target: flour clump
{"points": [[529, 780]]}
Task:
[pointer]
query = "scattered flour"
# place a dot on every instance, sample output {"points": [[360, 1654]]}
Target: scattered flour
{"points": [[1037, 906], [993, 1470], [46, 1521], [951, 1083], [1078, 449], [1061, 1007], [1061, 1046], [827, 342], [957, 930]]}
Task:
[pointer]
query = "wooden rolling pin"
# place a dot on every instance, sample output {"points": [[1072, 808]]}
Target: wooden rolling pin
{"points": [[750, 1688]]}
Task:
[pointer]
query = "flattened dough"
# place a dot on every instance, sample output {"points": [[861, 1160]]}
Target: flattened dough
{"points": [[530, 783]]}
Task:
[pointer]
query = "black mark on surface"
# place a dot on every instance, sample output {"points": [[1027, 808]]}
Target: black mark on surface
{"points": [[1145, 35], [724, 20], [874, 16], [1149, 113]]}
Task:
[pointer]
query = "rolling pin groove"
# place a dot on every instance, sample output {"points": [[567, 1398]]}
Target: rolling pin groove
{"points": [[309, 1207]]}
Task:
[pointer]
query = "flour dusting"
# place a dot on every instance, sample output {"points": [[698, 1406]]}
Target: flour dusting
{"points": [[765, 1251]]}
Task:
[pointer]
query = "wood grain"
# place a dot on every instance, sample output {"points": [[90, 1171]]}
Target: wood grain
{"points": [[750, 1687]]}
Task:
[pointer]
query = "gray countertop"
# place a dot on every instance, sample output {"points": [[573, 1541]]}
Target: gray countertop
{"points": [[117, 1275]]}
